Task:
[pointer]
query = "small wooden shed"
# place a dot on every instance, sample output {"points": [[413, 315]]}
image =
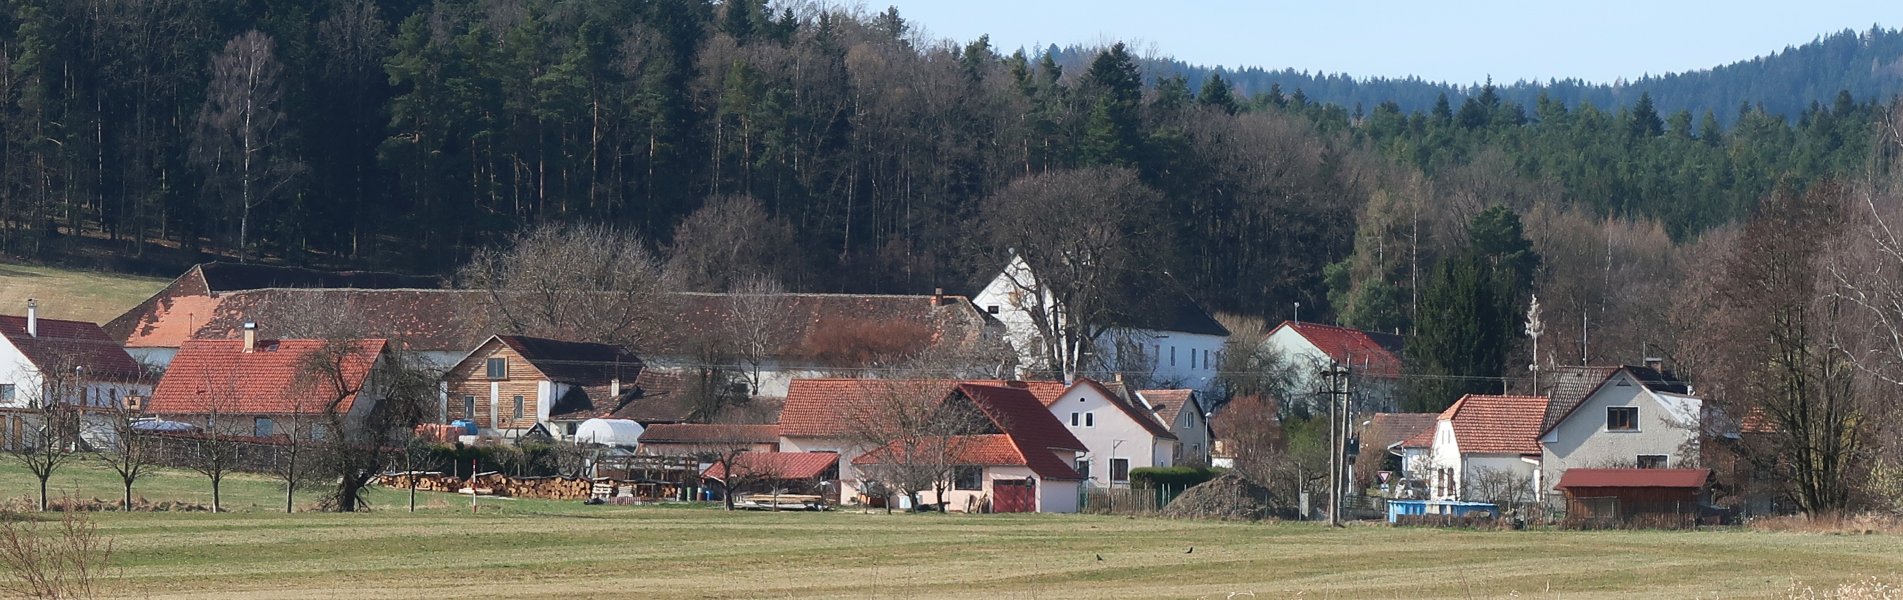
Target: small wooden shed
{"points": [[1625, 496]]}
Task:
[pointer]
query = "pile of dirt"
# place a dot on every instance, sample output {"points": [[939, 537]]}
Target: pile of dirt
{"points": [[1229, 497]]}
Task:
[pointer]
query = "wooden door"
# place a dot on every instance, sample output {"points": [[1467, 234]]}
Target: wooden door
{"points": [[1013, 496]]}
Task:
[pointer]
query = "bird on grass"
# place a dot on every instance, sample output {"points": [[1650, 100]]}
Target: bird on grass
{"points": [[1191, 550], [1100, 558]]}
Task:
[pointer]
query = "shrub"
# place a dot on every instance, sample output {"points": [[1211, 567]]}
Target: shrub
{"points": [[1177, 478]]}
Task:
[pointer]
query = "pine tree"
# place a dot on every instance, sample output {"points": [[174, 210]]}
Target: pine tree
{"points": [[1216, 94]]}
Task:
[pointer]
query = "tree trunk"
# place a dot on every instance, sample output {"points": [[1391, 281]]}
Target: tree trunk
{"points": [[216, 506], [290, 494], [49, 475], [127, 507]]}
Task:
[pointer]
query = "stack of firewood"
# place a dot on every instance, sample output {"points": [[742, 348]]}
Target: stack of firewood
{"points": [[494, 484]]}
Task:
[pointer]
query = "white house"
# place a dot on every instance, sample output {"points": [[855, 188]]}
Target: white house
{"points": [[1634, 417], [1173, 344], [1373, 358], [52, 360], [1118, 434], [1186, 415], [1483, 443]]}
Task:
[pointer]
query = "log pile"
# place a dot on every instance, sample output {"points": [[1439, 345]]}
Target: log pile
{"points": [[494, 484]]}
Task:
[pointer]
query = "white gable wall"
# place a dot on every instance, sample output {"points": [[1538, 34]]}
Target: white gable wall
{"points": [[1109, 433], [1668, 425], [20, 373]]}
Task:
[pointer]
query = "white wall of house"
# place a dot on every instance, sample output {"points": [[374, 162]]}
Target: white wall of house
{"points": [[1174, 359], [1171, 358], [1057, 496], [1449, 470], [850, 485], [1668, 426], [27, 384], [1110, 434], [1375, 394]]}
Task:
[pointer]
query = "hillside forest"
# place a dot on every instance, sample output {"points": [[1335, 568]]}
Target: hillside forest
{"points": [[835, 150]]}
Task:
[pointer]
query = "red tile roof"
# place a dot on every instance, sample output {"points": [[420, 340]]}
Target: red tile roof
{"points": [[987, 450], [826, 408], [699, 433], [1634, 478], [777, 465], [219, 376], [1497, 424], [1374, 353], [1020, 415], [62, 345]]}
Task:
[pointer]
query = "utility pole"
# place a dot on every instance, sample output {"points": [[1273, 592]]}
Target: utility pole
{"points": [[1334, 380]]}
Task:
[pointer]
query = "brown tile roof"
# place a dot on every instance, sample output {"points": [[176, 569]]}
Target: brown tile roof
{"points": [[718, 433], [429, 320], [226, 277], [62, 345], [1633, 478], [1496, 424], [777, 465], [1374, 353], [1167, 404], [1388, 429], [219, 376], [654, 398]]}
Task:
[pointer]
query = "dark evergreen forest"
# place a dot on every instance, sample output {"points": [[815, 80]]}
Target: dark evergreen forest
{"points": [[408, 134]]}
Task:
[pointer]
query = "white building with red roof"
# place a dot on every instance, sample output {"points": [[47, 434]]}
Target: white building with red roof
{"points": [[1374, 359], [267, 388], [1483, 442], [1023, 460], [75, 361]]}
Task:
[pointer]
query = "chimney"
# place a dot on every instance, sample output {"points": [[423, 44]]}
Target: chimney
{"points": [[614, 388], [938, 296], [250, 336], [32, 318], [1655, 363]]}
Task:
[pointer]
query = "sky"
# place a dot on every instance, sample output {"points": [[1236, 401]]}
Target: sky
{"points": [[1458, 42]]}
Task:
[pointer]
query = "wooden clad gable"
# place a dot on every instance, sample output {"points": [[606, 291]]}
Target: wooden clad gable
{"points": [[469, 380]]}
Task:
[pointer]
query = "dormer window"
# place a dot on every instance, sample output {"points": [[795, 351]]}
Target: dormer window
{"points": [[498, 368], [993, 309]]}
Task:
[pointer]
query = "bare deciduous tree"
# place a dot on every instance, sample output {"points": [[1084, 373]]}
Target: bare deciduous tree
{"points": [[242, 143], [728, 242], [576, 282], [52, 420], [1087, 281], [917, 430], [358, 442], [132, 451]]}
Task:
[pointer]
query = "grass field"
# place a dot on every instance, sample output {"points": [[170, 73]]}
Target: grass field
{"points": [[526, 548], [69, 294]]}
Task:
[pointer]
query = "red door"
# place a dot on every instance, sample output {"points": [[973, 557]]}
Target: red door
{"points": [[1013, 496]]}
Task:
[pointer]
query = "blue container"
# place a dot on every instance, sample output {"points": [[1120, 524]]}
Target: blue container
{"points": [[468, 426], [1398, 508]]}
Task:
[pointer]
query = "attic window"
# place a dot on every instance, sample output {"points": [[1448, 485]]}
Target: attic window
{"points": [[498, 368], [993, 309], [1622, 418]]}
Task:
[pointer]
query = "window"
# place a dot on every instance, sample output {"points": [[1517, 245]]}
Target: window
{"points": [[518, 407], [1652, 461], [1119, 469], [1206, 363], [6, 392], [1083, 467], [114, 393], [469, 407], [262, 427], [1192, 359], [1172, 356], [1622, 418], [1075, 419], [968, 478], [317, 431], [1090, 419], [498, 368], [993, 309]]}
